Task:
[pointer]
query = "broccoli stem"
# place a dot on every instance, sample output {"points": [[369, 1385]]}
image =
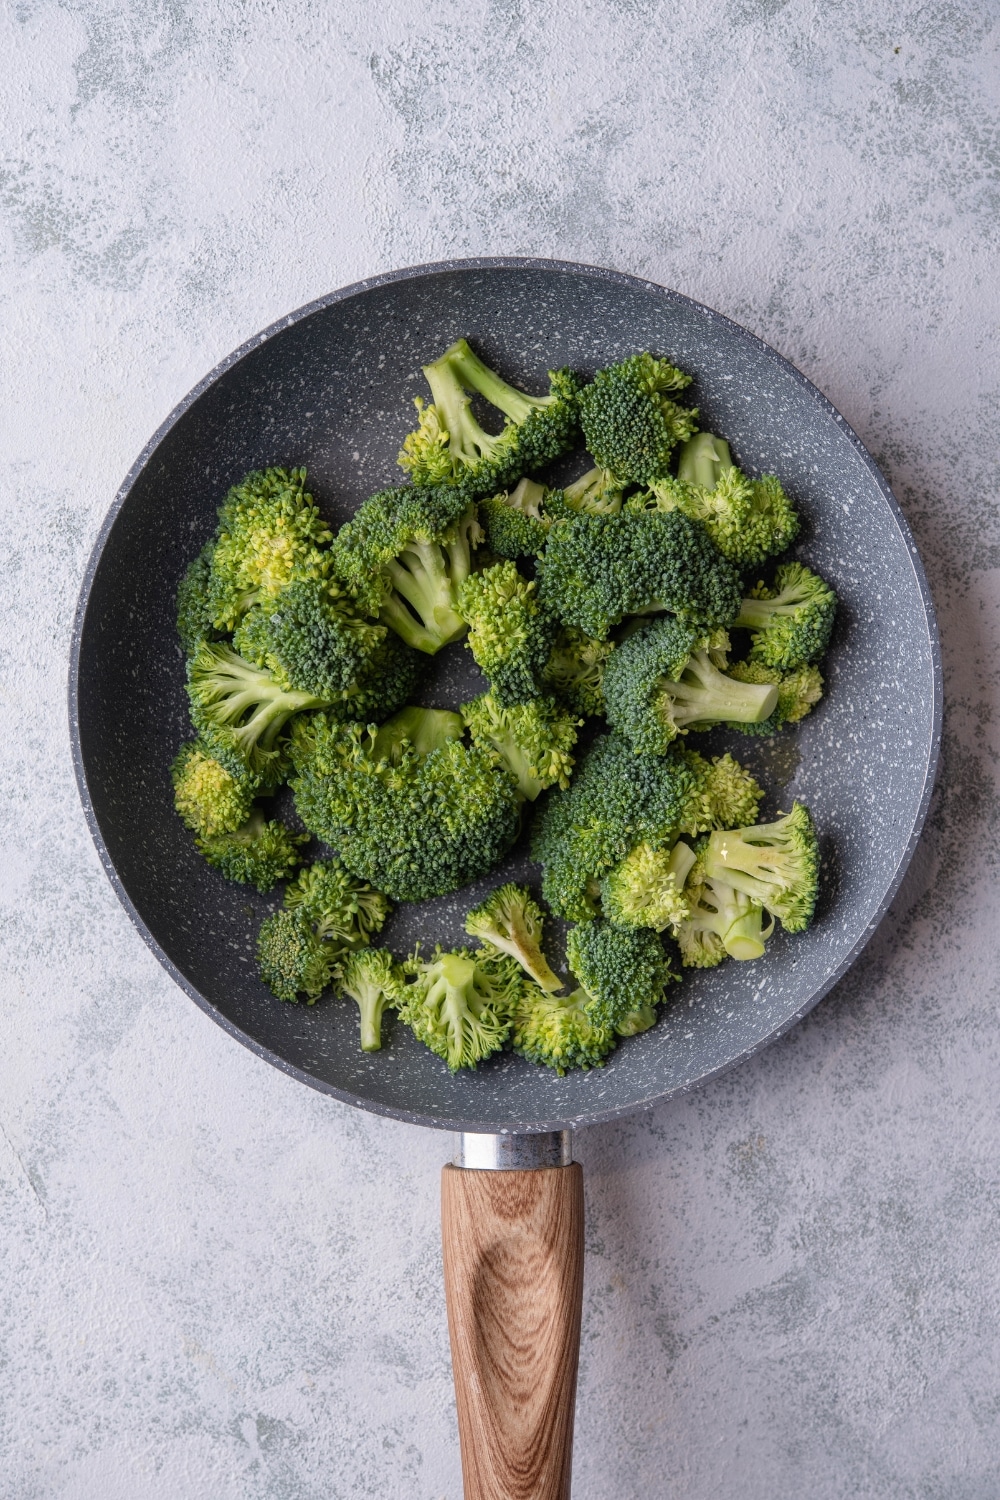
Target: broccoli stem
{"points": [[703, 458], [471, 371], [419, 576], [704, 695], [681, 862], [740, 921], [371, 1002], [426, 729], [758, 614]]}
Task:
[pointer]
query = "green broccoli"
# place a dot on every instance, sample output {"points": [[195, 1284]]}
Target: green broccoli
{"points": [[623, 969], [595, 493], [595, 570], [531, 740], [661, 682], [720, 920], [259, 853], [515, 522], [790, 623], [725, 795], [647, 888], [510, 634], [414, 822], [630, 422], [556, 1031], [798, 693], [291, 958], [371, 979], [194, 616], [208, 797], [450, 447], [270, 535], [460, 1004], [510, 921], [404, 556], [343, 910], [776, 864], [575, 671]]}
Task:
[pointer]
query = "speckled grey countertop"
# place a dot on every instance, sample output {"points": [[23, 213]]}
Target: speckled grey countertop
{"points": [[218, 1285]]}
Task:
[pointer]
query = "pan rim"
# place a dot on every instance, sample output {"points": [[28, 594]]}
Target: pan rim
{"points": [[358, 289]]}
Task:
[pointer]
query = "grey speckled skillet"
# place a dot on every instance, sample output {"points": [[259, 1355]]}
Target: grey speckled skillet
{"points": [[331, 387]]}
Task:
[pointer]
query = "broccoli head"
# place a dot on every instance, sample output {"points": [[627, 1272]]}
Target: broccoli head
{"points": [[798, 693], [195, 620], [720, 920], [647, 888], [531, 740], [343, 909], [292, 959], [661, 682], [259, 853], [597, 569], [556, 1031], [630, 422], [460, 1004], [370, 978], [725, 794], [623, 969], [270, 535], [596, 493], [790, 623], [404, 556], [510, 922], [575, 671], [776, 864], [510, 634], [515, 522], [207, 796], [415, 823]]}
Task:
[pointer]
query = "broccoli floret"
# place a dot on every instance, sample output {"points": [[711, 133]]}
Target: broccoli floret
{"points": [[404, 556], [647, 888], [413, 824], [460, 1004], [311, 639], [798, 693], [596, 493], [791, 623], [597, 569], [661, 682], [343, 910], [556, 1031], [270, 535], [259, 853], [720, 920], [515, 522], [617, 800], [207, 796], [509, 921], [292, 960], [510, 634], [623, 969], [775, 863], [532, 740], [194, 615], [575, 671], [450, 447], [371, 979], [630, 422], [725, 795]]}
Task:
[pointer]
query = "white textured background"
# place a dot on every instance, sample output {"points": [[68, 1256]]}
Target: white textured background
{"points": [[218, 1285]]}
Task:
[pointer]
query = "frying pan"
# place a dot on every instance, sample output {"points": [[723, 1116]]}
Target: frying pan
{"points": [[331, 387]]}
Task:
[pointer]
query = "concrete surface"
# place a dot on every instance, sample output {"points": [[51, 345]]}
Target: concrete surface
{"points": [[217, 1285]]}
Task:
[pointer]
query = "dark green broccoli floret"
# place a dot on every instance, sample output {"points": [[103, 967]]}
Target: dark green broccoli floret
{"points": [[775, 863], [532, 740], [413, 824], [292, 960], [556, 1031], [259, 853], [404, 556], [575, 671], [194, 616], [661, 682], [617, 800], [450, 447], [207, 796], [343, 909], [516, 522], [630, 422], [791, 623], [623, 969], [597, 569], [510, 921], [720, 920], [270, 535], [372, 980], [798, 693], [647, 888], [510, 634], [460, 1004], [310, 638]]}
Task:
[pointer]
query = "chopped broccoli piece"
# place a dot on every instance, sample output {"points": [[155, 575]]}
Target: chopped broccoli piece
{"points": [[343, 910], [791, 623], [460, 1004], [259, 853], [647, 888], [509, 921], [291, 958], [575, 671], [725, 795], [270, 535], [450, 447], [510, 634], [371, 979], [798, 693], [532, 740], [556, 1031], [630, 423], [775, 863], [414, 825], [194, 616], [404, 556], [596, 493], [661, 682], [310, 638], [208, 797], [720, 920], [623, 969], [595, 570], [514, 522]]}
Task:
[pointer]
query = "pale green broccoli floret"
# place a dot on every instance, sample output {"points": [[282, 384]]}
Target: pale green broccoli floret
{"points": [[343, 909], [510, 634], [372, 980], [775, 863], [556, 1031], [720, 920], [532, 740], [270, 535], [460, 1004], [575, 671], [209, 798], [647, 888], [725, 794], [596, 493], [798, 692], [510, 921]]}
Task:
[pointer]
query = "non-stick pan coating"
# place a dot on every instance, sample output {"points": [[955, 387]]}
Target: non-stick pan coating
{"points": [[331, 387]]}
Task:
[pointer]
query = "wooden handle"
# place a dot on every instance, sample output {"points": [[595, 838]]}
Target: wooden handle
{"points": [[513, 1276]]}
